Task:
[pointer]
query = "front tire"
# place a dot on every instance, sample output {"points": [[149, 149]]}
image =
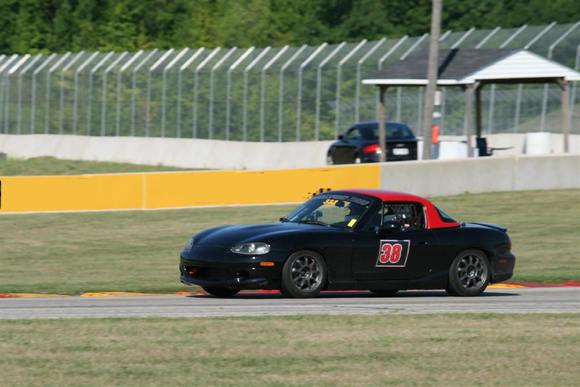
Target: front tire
{"points": [[468, 274], [303, 275], [221, 292]]}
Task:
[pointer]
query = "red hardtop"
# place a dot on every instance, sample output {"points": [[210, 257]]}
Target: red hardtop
{"points": [[434, 220]]}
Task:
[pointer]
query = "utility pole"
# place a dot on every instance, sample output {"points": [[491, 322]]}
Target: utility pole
{"points": [[431, 77]]}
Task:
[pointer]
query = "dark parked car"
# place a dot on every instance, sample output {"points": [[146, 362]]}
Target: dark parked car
{"points": [[357, 239], [360, 144]]}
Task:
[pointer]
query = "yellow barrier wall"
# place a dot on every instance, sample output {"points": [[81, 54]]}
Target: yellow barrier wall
{"points": [[177, 189]]}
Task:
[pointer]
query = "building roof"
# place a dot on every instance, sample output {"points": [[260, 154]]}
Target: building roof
{"points": [[463, 66]]}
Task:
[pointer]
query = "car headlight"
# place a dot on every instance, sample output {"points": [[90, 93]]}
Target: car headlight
{"points": [[189, 244], [252, 248]]}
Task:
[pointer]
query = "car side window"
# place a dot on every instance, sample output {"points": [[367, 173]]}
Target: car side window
{"points": [[411, 216], [352, 134]]}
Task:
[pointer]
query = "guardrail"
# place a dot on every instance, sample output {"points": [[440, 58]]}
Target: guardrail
{"points": [[177, 189]]}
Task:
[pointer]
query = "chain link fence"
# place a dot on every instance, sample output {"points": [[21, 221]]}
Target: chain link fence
{"points": [[267, 94]]}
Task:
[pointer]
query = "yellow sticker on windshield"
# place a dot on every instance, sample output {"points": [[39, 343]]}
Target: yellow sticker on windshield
{"points": [[351, 223], [330, 202]]}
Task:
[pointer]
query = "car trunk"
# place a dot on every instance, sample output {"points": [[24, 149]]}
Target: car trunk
{"points": [[401, 150]]}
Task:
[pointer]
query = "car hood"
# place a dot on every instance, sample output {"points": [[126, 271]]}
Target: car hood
{"points": [[228, 236]]}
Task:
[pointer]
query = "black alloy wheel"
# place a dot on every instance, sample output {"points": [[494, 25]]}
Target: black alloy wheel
{"points": [[303, 275], [469, 274]]}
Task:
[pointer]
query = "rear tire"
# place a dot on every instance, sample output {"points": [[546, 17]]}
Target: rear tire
{"points": [[384, 293], [303, 275], [329, 159], [468, 274], [221, 292]]}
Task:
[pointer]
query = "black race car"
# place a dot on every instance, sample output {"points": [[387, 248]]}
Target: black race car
{"points": [[357, 239], [360, 144]]}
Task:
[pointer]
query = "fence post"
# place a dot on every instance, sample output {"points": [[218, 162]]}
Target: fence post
{"points": [[76, 88], [245, 94], [380, 67], [550, 53], [164, 87], [65, 69], [229, 88], [134, 86], [33, 95], [90, 96], [148, 100], [118, 98], [358, 76], [463, 37], [492, 95], [3, 66], [211, 89], [399, 88], [318, 86], [493, 86], [180, 87], [263, 88], [104, 91], [48, 79], [20, 75], [299, 100], [444, 36], [11, 71], [484, 40], [281, 90], [530, 43], [196, 89], [339, 81]]}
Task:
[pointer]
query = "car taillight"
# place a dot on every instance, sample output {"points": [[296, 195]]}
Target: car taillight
{"points": [[191, 271], [374, 148]]}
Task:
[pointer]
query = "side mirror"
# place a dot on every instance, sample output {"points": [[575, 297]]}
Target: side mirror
{"points": [[390, 227], [341, 137]]}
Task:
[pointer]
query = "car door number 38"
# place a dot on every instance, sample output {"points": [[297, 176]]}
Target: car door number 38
{"points": [[393, 253]]}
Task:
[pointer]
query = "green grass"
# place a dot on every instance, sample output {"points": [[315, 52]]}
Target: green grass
{"points": [[138, 251], [51, 166], [441, 350]]}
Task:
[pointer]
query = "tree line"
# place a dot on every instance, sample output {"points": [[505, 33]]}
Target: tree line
{"points": [[38, 26]]}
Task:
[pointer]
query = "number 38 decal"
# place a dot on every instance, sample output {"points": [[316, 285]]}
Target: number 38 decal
{"points": [[393, 253]]}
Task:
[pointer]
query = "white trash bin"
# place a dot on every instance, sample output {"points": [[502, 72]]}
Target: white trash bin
{"points": [[449, 150], [539, 143]]}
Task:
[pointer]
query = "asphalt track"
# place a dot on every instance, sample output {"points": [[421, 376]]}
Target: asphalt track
{"points": [[522, 300]]}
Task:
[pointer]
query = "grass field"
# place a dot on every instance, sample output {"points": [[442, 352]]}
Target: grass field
{"points": [[443, 350], [138, 251], [52, 166]]}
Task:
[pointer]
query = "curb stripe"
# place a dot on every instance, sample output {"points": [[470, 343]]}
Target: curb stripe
{"points": [[520, 285]]}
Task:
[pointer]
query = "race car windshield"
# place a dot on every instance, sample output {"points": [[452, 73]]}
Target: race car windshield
{"points": [[331, 210]]}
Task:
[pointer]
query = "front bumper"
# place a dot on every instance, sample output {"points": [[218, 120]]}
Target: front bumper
{"points": [[376, 157], [503, 267], [211, 267]]}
